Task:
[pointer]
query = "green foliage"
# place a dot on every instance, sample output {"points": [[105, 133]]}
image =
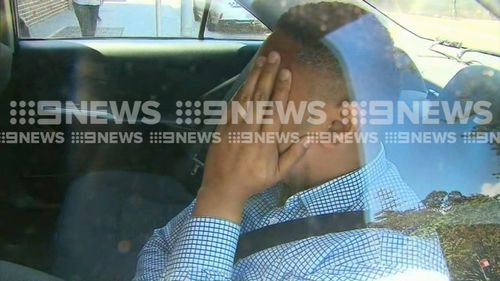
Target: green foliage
{"points": [[468, 229]]}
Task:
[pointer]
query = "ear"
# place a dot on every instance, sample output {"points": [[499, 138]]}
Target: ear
{"points": [[343, 120]]}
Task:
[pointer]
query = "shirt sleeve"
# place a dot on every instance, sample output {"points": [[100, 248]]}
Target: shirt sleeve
{"points": [[152, 262], [189, 249], [204, 251]]}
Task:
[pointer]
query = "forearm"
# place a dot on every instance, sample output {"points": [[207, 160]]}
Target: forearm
{"points": [[190, 247], [204, 250], [205, 246], [153, 257]]}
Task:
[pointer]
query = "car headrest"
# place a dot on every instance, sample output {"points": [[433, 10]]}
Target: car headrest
{"points": [[366, 55], [412, 85], [373, 67], [476, 82]]}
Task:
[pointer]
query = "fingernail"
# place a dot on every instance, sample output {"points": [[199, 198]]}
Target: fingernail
{"points": [[260, 61], [285, 74], [306, 143], [274, 57]]}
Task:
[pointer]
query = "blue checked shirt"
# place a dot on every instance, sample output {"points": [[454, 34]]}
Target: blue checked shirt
{"points": [[190, 248]]}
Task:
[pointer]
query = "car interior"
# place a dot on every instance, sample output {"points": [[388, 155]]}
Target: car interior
{"points": [[127, 70], [83, 212]]}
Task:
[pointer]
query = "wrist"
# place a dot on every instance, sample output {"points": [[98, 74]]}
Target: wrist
{"points": [[223, 205]]}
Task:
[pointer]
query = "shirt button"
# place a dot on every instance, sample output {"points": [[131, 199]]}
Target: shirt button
{"points": [[273, 221]]}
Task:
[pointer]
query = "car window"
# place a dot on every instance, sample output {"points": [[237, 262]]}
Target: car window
{"points": [[465, 23], [56, 19], [229, 20], [104, 18]]}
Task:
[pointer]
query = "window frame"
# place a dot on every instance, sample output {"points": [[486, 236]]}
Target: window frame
{"points": [[201, 32]]}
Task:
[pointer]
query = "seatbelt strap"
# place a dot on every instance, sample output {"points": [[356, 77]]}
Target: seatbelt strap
{"points": [[295, 230]]}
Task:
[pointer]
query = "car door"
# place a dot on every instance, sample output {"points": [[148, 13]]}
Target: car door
{"points": [[141, 53]]}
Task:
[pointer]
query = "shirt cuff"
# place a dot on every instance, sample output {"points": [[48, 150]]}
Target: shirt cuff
{"points": [[205, 244]]}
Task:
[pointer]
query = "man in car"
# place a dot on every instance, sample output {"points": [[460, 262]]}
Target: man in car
{"points": [[250, 186]]}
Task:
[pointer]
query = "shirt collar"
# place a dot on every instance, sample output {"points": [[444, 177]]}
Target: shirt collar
{"points": [[342, 194]]}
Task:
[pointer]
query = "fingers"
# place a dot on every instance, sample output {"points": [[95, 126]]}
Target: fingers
{"points": [[279, 98], [283, 86], [292, 156], [265, 82], [260, 82], [265, 85], [247, 90]]}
